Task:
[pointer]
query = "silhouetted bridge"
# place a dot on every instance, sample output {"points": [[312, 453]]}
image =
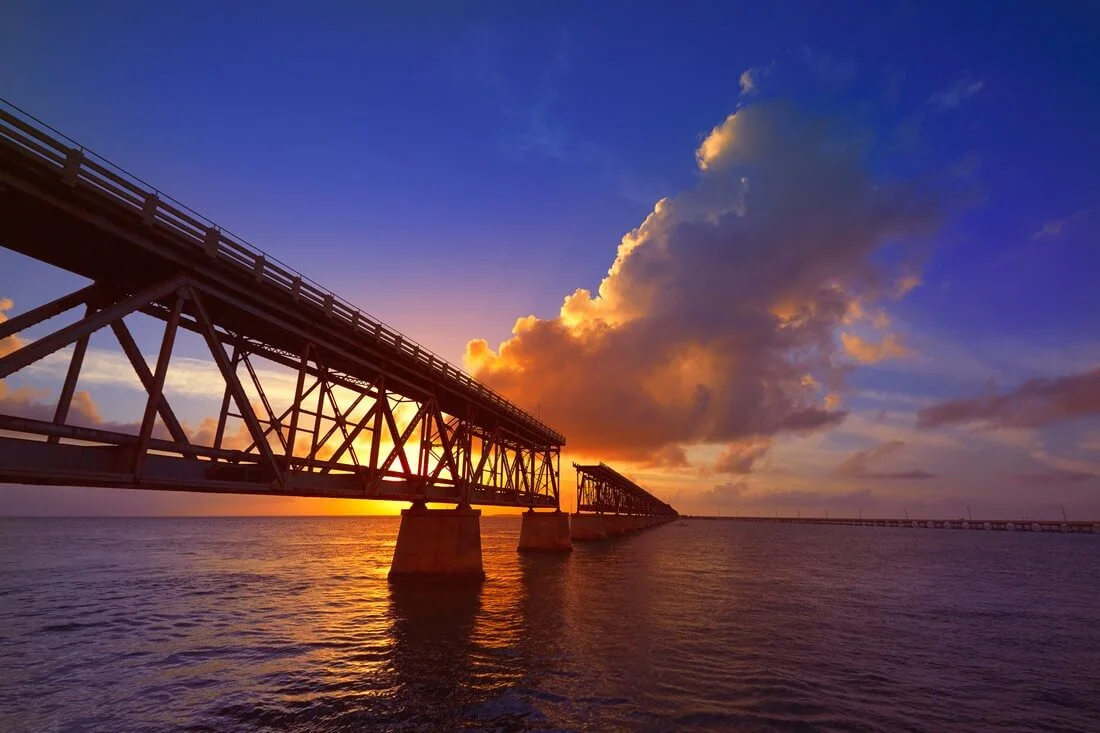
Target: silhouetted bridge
{"points": [[372, 415]]}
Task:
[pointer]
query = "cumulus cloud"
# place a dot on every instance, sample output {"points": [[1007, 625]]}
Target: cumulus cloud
{"points": [[11, 343], [1035, 403], [721, 303], [957, 92], [860, 465]]}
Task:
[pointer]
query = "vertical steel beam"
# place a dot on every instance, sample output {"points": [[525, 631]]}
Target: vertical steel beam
{"points": [[380, 406], [296, 406]]}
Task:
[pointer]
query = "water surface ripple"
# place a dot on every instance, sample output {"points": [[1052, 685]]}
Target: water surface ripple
{"points": [[289, 624]]}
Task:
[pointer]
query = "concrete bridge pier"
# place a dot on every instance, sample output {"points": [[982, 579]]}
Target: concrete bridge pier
{"points": [[438, 543], [615, 524], [545, 531], [587, 527]]}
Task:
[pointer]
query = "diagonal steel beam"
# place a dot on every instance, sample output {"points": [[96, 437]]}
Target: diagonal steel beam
{"points": [[349, 438], [61, 338], [223, 414], [399, 438], [286, 413], [46, 311], [446, 443], [399, 443], [129, 347], [340, 420], [71, 376], [230, 376], [155, 393], [272, 421]]}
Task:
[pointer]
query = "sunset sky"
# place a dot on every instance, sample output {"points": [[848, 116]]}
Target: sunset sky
{"points": [[768, 257]]}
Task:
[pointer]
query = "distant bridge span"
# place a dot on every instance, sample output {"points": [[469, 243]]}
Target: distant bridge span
{"points": [[602, 489], [373, 415]]}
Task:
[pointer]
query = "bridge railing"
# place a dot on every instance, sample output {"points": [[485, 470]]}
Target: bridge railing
{"points": [[80, 166]]}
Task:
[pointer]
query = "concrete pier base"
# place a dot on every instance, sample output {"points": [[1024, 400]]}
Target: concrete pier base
{"points": [[438, 543], [614, 524], [587, 527], [545, 531]]}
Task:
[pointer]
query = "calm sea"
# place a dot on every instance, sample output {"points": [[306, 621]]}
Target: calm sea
{"points": [[290, 624]]}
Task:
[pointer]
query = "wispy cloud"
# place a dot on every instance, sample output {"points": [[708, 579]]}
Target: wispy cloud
{"points": [[1035, 403], [861, 465], [831, 70], [748, 82], [957, 92], [1055, 228], [750, 78], [1053, 477]]}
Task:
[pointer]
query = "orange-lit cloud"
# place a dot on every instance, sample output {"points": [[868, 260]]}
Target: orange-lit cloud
{"points": [[11, 343], [906, 284], [872, 352], [721, 302]]}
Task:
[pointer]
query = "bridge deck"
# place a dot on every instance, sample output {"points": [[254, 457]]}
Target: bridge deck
{"points": [[144, 252], [88, 217]]}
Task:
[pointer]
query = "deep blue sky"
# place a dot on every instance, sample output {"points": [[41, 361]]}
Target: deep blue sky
{"points": [[451, 168]]}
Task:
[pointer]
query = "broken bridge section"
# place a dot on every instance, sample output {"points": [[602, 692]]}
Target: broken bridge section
{"points": [[609, 503]]}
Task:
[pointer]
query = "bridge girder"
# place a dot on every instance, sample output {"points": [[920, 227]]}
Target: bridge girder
{"points": [[373, 415], [601, 488]]}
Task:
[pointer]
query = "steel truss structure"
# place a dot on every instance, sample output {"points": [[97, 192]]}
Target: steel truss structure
{"points": [[373, 415], [602, 489]]}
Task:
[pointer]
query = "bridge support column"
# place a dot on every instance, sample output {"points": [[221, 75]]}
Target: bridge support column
{"points": [[443, 543], [614, 524], [545, 531], [587, 527]]}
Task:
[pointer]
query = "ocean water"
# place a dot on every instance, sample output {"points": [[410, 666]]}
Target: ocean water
{"points": [[290, 625]]}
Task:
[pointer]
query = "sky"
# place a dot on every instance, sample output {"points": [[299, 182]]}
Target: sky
{"points": [[763, 258]]}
